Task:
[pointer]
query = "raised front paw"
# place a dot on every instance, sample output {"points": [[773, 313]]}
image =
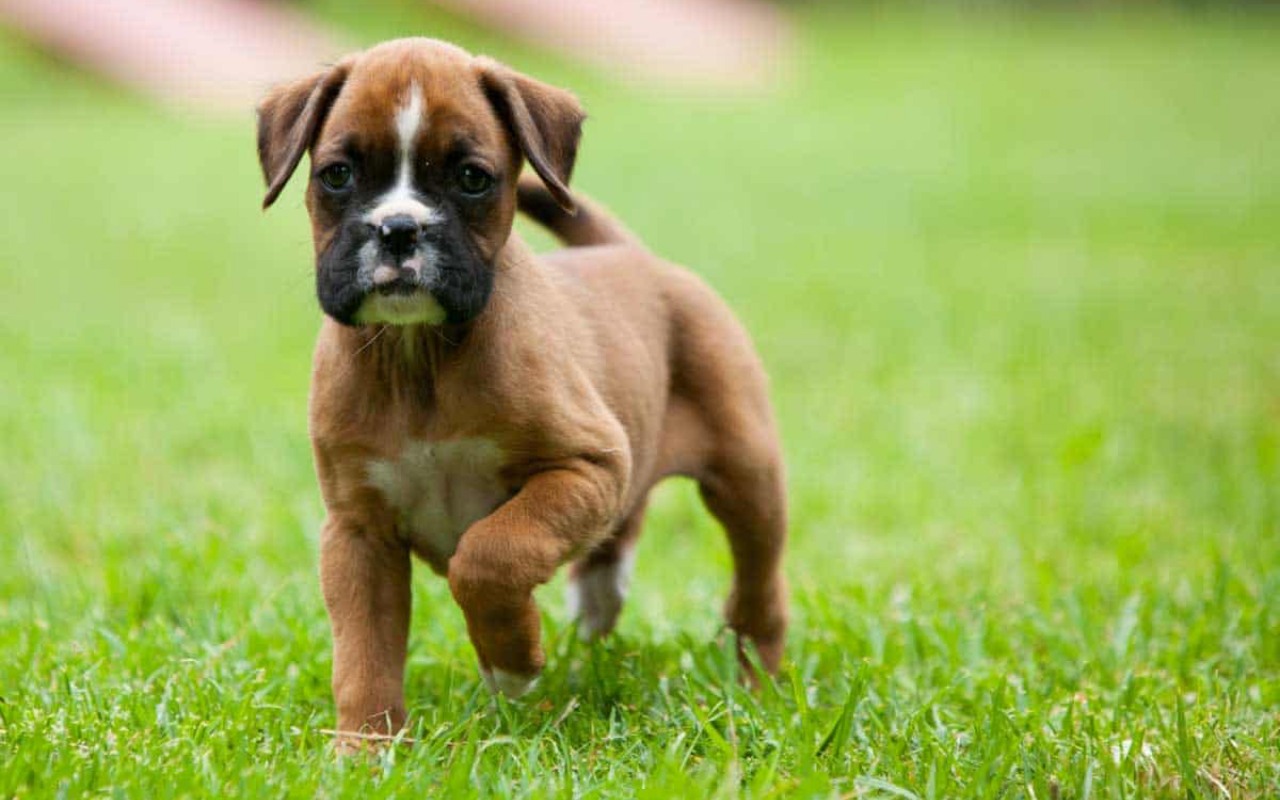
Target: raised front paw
{"points": [[504, 626], [509, 684]]}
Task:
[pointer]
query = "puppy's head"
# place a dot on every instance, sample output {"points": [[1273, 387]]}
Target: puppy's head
{"points": [[415, 150]]}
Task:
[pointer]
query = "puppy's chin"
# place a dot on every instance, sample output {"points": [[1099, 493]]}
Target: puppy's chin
{"points": [[418, 308]]}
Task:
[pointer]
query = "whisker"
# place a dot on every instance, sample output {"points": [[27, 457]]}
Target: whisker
{"points": [[372, 339], [439, 332]]}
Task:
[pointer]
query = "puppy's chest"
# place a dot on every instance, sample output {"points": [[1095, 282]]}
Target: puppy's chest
{"points": [[439, 489]]}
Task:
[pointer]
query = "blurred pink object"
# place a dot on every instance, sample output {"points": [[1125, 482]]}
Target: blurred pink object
{"points": [[219, 55], [727, 43], [208, 54]]}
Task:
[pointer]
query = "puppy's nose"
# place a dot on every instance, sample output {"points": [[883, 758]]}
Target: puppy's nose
{"points": [[399, 234]]}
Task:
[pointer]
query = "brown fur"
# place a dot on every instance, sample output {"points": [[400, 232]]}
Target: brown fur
{"points": [[598, 370]]}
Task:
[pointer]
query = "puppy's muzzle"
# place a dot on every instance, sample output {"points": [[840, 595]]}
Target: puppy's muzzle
{"points": [[395, 280], [400, 264]]}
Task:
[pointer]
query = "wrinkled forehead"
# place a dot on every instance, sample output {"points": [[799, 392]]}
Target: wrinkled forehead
{"points": [[415, 93]]}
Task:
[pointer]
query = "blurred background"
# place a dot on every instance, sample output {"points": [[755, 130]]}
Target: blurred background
{"points": [[979, 244], [1014, 270]]}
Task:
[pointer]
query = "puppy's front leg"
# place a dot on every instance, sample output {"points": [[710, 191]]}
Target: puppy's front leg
{"points": [[503, 557], [365, 578]]}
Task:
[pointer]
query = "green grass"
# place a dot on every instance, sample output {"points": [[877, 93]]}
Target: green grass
{"points": [[1018, 286]]}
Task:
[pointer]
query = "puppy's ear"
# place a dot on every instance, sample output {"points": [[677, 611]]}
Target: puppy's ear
{"points": [[289, 118], [545, 121]]}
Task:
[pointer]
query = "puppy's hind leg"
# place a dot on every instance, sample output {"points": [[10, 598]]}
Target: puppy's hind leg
{"points": [[745, 491], [598, 582]]}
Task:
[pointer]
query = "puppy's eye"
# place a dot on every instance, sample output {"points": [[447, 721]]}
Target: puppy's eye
{"points": [[473, 180], [336, 177]]}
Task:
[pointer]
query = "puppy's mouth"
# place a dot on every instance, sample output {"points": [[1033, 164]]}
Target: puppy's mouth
{"points": [[398, 295], [402, 280]]}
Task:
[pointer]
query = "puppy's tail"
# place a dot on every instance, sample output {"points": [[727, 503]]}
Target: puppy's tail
{"points": [[591, 225]]}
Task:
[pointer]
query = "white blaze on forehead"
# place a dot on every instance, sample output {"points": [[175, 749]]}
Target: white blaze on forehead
{"points": [[408, 119], [402, 199]]}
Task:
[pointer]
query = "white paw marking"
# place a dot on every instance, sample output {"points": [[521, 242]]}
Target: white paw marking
{"points": [[510, 684], [595, 596]]}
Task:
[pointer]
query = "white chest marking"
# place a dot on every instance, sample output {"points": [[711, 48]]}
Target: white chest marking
{"points": [[402, 199], [440, 488]]}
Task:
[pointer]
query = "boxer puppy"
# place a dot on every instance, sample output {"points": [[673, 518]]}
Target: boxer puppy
{"points": [[495, 412]]}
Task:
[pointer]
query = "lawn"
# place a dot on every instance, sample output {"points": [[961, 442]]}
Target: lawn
{"points": [[1017, 282]]}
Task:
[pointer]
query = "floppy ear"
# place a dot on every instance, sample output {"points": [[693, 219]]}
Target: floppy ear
{"points": [[545, 121], [289, 118]]}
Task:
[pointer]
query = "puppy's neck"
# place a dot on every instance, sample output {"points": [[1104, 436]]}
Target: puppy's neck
{"points": [[417, 352], [402, 355]]}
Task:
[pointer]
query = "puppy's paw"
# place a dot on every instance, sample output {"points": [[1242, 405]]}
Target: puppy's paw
{"points": [[346, 744], [509, 684], [596, 594], [347, 747]]}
